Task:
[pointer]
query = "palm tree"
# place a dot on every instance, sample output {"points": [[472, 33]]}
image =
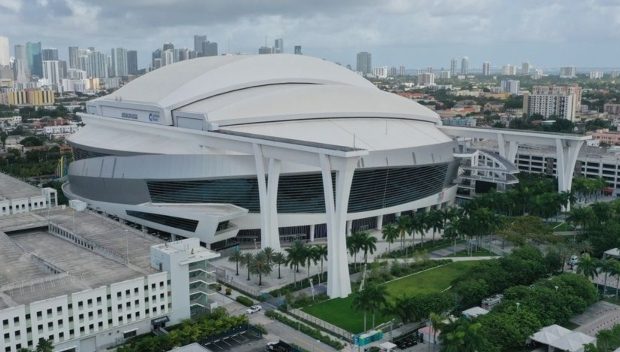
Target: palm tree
{"points": [[279, 258], [311, 256], [236, 257], [246, 260], [45, 346], [403, 223], [370, 299], [354, 244], [437, 324], [321, 252], [462, 335], [368, 243], [269, 252], [260, 266], [390, 234], [434, 219], [606, 266], [296, 256], [587, 266], [419, 225]]}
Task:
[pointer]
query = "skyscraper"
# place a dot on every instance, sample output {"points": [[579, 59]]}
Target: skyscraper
{"points": [[156, 59], [265, 50], [132, 62], [298, 50], [364, 62], [278, 47], [168, 46], [209, 48], [198, 40], [35, 62], [486, 68], [4, 51], [453, 64], [464, 65], [525, 68], [20, 66], [167, 57], [119, 62], [51, 72], [96, 65], [74, 55], [49, 54]]}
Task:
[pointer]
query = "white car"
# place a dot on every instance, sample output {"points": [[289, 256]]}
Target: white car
{"points": [[253, 309]]}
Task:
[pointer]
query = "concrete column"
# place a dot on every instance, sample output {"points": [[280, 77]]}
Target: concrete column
{"points": [[379, 222], [273, 235], [312, 233], [173, 237], [507, 149], [566, 158], [262, 194], [348, 227], [338, 281]]}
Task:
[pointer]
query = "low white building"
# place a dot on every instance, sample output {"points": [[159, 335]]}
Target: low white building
{"points": [[60, 130], [88, 282]]}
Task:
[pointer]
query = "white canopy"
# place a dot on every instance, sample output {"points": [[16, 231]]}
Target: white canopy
{"points": [[562, 339], [474, 312]]}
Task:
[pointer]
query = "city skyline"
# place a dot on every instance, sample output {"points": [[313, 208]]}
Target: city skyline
{"points": [[417, 34]]}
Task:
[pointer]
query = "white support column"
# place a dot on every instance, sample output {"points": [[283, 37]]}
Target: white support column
{"points": [[566, 157], [348, 227], [507, 149], [338, 280], [273, 234], [312, 232], [262, 194], [379, 222]]}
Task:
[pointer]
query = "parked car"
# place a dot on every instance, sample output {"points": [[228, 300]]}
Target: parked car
{"points": [[279, 346], [253, 309]]}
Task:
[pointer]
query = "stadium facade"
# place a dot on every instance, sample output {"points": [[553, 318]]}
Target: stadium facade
{"points": [[263, 147]]}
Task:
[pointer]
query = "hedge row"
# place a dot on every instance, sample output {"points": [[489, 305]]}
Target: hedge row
{"points": [[245, 301]]}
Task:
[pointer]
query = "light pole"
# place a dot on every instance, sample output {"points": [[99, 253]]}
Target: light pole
{"points": [[127, 245]]}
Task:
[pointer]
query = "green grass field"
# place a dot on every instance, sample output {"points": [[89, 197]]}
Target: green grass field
{"points": [[338, 311]]}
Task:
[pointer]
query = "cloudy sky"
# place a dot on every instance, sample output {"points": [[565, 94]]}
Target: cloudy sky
{"points": [[414, 33]]}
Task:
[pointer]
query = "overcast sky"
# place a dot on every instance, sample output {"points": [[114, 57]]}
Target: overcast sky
{"points": [[414, 33]]}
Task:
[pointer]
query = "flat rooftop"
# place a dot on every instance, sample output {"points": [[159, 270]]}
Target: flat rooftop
{"points": [[27, 255], [12, 188]]}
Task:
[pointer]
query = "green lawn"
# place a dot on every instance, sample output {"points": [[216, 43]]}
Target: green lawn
{"points": [[481, 252], [338, 311]]}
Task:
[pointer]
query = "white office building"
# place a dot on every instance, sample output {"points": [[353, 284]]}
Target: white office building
{"points": [[510, 86]]}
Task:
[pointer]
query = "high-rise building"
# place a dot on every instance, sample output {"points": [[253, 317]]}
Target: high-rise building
{"points": [[426, 79], [97, 65], [510, 86], [156, 56], [181, 54], [464, 65], [35, 62], [119, 62], [568, 72], [49, 54], [525, 68], [553, 101], [51, 72], [198, 40], [596, 74], [74, 57], [298, 50], [509, 70], [167, 57], [209, 48], [486, 68], [453, 64], [364, 62], [445, 74], [20, 66], [4, 51], [168, 46], [265, 50], [278, 47], [381, 72], [401, 70], [132, 62]]}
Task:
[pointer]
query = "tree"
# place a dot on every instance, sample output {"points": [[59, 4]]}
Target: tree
{"points": [[296, 256], [435, 221], [390, 234], [321, 252], [462, 335], [246, 260], [3, 137], [260, 265], [370, 299], [587, 266], [606, 266], [269, 252], [403, 223], [311, 256], [45, 346], [368, 243], [279, 259], [354, 244], [236, 257]]}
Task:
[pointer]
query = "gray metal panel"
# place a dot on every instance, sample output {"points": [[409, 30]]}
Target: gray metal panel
{"points": [[123, 191]]}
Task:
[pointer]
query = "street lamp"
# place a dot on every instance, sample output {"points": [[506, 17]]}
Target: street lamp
{"points": [[518, 304]]}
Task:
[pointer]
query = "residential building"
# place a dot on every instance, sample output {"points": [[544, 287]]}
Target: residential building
{"points": [[49, 54], [265, 50], [198, 40], [97, 64], [278, 47], [509, 70], [568, 72], [572, 89], [465, 65], [25, 97], [525, 69], [74, 54], [364, 62], [426, 79], [612, 108], [596, 74], [550, 106], [453, 64], [209, 48], [380, 72], [51, 73], [132, 62], [606, 136], [35, 62], [120, 66], [510, 86], [486, 68], [5, 53], [298, 50]]}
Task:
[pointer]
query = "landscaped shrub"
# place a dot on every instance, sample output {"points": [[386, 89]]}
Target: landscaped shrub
{"points": [[245, 301], [310, 331], [228, 291]]}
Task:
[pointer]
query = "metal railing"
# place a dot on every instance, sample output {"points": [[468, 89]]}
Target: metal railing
{"points": [[331, 328]]}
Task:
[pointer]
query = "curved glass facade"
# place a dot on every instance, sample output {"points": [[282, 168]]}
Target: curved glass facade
{"points": [[303, 193]]}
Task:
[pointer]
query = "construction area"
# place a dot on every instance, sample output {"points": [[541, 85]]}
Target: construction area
{"points": [[53, 252]]}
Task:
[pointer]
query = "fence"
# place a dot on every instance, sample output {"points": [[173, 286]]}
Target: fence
{"points": [[321, 324]]}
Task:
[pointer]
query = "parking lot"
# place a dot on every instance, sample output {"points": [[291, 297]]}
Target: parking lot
{"points": [[245, 342]]}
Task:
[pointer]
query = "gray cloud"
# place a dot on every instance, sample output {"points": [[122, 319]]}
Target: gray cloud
{"points": [[411, 32]]}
